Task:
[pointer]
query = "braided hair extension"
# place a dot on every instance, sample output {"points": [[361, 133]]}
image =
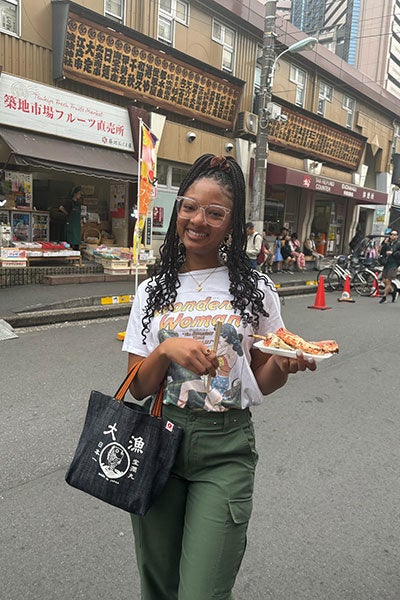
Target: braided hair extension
{"points": [[163, 286]]}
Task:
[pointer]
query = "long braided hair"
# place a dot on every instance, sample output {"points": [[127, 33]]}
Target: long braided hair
{"points": [[163, 286]]}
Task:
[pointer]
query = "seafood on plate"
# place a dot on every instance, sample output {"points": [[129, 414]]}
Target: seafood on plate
{"points": [[286, 340]]}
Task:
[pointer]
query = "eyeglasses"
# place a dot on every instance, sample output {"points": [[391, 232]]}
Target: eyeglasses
{"points": [[213, 214]]}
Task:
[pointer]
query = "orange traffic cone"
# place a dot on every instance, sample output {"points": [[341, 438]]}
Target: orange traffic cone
{"points": [[320, 297], [346, 294], [377, 291]]}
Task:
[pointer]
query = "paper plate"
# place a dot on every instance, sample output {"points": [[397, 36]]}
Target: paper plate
{"points": [[289, 353]]}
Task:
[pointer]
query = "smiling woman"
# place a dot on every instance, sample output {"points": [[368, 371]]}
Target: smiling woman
{"points": [[193, 323]]}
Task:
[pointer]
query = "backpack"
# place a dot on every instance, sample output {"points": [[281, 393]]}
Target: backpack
{"points": [[286, 250], [262, 255]]}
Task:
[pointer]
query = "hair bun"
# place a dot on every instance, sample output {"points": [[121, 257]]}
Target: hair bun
{"points": [[221, 163]]}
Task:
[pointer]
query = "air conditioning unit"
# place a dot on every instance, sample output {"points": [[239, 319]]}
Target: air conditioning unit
{"points": [[247, 123], [312, 166]]}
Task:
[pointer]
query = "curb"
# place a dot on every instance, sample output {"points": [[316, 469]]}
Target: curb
{"points": [[106, 307], [62, 315]]}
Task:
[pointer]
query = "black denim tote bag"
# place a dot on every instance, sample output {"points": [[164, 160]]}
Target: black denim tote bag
{"points": [[125, 454]]}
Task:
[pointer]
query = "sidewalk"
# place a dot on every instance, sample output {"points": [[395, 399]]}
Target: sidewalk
{"points": [[41, 304]]}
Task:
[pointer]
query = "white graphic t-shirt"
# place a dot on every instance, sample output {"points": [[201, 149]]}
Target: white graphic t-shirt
{"points": [[195, 315]]}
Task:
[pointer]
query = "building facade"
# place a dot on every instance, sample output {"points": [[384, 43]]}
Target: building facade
{"points": [[365, 33], [77, 77]]}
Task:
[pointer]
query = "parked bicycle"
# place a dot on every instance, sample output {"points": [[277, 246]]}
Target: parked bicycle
{"points": [[362, 279]]}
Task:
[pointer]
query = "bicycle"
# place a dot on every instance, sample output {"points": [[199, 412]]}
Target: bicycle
{"points": [[362, 280]]}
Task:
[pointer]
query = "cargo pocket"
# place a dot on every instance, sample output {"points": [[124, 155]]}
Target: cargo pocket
{"points": [[241, 510]]}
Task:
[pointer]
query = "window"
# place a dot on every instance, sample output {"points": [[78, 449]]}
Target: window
{"points": [[298, 76], [169, 177], [9, 16], [349, 105], [227, 38], [325, 94], [115, 10], [170, 11]]}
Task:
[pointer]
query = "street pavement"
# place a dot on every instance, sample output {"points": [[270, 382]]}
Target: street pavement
{"points": [[42, 304], [325, 517]]}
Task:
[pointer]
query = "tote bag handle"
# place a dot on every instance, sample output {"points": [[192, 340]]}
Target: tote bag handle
{"points": [[123, 388]]}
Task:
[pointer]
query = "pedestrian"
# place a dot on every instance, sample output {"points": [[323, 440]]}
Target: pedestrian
{"points": [[253, 245], [288, 260], [297, 254], [310, 249], [72, 209], [278, 258], [390, 251], [356, 240], [191, 542]]}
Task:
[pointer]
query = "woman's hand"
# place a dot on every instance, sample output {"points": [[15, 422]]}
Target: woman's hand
{"points": [[293, 365], [191, 354]]}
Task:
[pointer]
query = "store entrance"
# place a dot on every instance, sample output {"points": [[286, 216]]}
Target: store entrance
{"points": [[328, 225]]}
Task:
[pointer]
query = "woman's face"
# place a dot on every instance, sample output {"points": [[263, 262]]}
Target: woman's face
{"points": [[194, 232]]}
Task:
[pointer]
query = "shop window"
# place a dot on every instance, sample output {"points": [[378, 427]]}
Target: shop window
{"points": [[227, 38], [10, 16], [169, 178], [325, 94], [274, 212], [298, 77], [115, 10], [170, 11], [349, 105]]}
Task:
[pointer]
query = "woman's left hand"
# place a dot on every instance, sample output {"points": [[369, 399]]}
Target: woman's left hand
{"points": [[293, 365]]}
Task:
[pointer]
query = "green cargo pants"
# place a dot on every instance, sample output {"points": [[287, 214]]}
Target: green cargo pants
{"points": [[191, 543]]}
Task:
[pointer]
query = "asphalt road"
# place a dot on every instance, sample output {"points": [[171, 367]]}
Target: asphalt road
{"points": [[325, 524]]}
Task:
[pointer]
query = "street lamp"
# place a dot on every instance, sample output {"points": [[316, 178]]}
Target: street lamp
{"points": [[268, 64]]}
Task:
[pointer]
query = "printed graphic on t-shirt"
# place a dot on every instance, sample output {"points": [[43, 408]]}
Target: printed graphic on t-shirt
{"points": [[185, 388]]}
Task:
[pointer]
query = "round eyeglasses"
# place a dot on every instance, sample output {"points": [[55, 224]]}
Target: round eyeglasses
{"points": [[213, 214]]}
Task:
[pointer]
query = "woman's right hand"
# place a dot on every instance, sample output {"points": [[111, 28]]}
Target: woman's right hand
{"points": [[190, 354]]}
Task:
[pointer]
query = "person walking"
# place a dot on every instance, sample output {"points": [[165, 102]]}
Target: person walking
{"points": [[191, 542], [390, 250], [72, 209], [254, 243]]}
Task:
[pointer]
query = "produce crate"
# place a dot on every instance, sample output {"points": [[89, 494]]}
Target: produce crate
{"points": [[108, 263], [12, 263], [117, 271]]}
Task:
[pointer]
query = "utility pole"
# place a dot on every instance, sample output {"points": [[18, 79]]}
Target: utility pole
{"points": [[265, 96]]}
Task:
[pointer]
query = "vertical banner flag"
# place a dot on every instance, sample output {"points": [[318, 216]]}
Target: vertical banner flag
{"points": [[146, 182]]}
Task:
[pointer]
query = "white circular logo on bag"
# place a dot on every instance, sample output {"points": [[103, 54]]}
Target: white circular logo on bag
{"points": [[114, 461]]}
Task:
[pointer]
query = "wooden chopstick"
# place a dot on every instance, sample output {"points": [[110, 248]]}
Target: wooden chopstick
{"points": [[215, 347]]}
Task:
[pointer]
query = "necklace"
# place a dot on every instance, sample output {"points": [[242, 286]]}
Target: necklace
{"points": [[198, 283]]}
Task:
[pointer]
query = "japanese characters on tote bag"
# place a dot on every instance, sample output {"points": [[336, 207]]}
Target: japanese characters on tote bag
{"points": [[125, 454]]}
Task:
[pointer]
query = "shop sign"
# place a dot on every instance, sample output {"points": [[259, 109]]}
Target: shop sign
{"points": [[124, 65], [277, 175], [304, 134], [30, 105]]}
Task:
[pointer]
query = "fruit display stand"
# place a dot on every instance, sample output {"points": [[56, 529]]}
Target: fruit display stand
{"points": [[39, 252], [13, 257], [114, 260]]}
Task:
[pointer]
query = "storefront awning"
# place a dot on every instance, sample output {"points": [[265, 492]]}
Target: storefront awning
{"points": [[33, 149], [283, 175]]}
